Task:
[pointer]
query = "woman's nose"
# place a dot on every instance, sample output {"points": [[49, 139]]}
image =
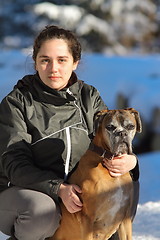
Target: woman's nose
{"points": [[53, 66]]}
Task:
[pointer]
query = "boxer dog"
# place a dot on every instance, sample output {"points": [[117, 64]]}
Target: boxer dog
{"points": [[107, 200]]}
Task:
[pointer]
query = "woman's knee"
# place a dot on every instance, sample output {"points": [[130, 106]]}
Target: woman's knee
{"points": [[45, 211], [30, 214], [41, 215]]}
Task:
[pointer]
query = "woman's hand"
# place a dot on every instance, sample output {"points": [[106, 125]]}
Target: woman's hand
{"points": [[68, 194], [120, 165]]}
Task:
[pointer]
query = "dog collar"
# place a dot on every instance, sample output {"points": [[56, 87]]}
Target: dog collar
{"points": [[100, 151]]}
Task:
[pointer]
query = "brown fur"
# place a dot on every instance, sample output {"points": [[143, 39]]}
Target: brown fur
{"points": [[107, 200]]}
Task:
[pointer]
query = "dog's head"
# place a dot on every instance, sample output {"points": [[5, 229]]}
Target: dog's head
{"points": [[117, 129]]}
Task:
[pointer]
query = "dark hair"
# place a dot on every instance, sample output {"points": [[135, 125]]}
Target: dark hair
{"points": [[54, 32]]}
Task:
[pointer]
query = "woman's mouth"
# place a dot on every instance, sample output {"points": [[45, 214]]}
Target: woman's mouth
{"points": [[54, 77]]}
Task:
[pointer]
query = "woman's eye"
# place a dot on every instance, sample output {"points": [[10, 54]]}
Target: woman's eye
{"points": [[61, 60], [45, 60], [110, 127]]}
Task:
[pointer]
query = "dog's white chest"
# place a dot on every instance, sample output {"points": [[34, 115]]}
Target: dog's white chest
{"points": [[118, 201]]}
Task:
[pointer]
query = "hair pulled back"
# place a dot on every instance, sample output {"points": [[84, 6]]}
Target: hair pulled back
{"points": [[55, 32]]}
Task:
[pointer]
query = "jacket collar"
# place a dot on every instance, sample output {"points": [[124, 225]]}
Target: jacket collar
{"points": [[43, 93], [69, 93]]}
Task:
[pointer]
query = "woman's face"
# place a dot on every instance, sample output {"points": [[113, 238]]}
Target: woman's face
{"points": [[55, 64]]}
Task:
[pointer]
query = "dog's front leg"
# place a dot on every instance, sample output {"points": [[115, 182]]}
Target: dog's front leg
{"points": [[125, 230]]}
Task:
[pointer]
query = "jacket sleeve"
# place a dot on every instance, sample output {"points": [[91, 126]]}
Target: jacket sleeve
{"points": [[16, 162], [91, 104], [98, 103], [135, 172]]}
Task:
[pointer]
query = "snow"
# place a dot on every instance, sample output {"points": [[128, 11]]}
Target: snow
{"points": [[125, 20], [121, 26], [71, 14], [147, 221], [138, 78], [117, 7]]}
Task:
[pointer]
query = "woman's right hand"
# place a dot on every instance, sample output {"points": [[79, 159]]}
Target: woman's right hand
{"points": [[68, 194]]}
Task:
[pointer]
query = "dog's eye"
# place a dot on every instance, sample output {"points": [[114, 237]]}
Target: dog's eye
{"points": [[130, 127], [110, 127]]}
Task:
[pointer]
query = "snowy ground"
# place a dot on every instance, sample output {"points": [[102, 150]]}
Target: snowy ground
{"points": [[118, 75], [147, 222]]}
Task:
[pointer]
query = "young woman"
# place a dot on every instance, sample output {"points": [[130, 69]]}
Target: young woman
{"points": [[46, 125]]}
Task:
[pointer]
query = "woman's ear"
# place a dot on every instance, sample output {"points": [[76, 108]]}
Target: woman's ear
{"points": [[75, 64]]}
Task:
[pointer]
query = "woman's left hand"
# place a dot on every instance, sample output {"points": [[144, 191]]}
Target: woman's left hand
{"points": [[120, 165]]}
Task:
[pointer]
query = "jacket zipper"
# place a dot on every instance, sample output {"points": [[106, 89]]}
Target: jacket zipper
{"points": [[68, 152], [68, 136]]}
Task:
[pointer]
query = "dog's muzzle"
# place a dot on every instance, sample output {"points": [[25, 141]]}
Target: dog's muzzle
{"points": [[121, 143]]}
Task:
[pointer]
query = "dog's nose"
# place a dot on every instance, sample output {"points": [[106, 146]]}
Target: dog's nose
{"points": [[121, 133]]}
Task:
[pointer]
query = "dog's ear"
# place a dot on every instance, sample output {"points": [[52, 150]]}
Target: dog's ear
{"points": [[97, 120], [137, 118]]}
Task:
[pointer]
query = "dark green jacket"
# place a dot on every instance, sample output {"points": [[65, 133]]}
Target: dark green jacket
{"points": [[44, 132]]}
